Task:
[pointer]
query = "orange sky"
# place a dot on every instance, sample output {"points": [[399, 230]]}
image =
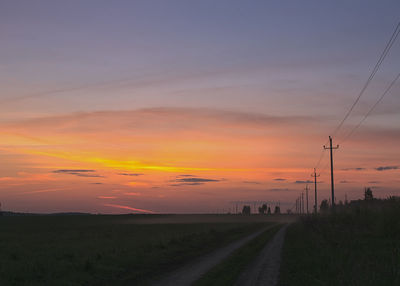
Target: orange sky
{"points": [[149, 106], [176, 160]]}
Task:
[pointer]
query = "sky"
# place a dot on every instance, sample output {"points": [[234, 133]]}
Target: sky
{"points": [[190, 106]]}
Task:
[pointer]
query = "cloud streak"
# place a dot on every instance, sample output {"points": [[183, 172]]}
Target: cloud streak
{"points": [[79, 172], [129, 208], [354, 169], [303, 182], [386, 168]]}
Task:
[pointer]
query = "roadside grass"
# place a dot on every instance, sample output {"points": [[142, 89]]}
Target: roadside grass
{"points": [[351, 248], [228, 271], [102, 250]]}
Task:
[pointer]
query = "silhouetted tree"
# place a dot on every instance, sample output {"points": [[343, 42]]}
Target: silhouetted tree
{"points": [[368, 194], [262, 209], [269, 210], [277, 210], [246, 210], [324, 207]]}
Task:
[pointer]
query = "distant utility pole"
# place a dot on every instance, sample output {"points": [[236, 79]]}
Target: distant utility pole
{"points": [[302, 202], [315, 191], [332, 183], [307, 197], [299, 204]]}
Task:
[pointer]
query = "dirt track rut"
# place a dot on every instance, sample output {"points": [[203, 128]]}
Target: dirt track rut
{"points": [[193, 271], [264, 270]]}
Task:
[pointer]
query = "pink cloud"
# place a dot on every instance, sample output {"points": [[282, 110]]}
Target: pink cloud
{"points": [[106, 197], [128, 208]]}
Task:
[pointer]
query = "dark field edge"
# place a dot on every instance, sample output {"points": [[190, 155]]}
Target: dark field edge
{"points": [[228, 271], [343, 249], [84, 251]]}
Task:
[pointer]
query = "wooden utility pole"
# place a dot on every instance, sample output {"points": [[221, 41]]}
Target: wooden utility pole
{"points": [[315, 191], [332, 182], [302, 202], [306, 197]]}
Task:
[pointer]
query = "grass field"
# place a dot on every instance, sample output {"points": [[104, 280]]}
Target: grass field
{"points": [[105, 250], [350, 248]]}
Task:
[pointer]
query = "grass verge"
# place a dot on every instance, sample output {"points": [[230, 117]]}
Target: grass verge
{"points": [[102, 250], [228, 271], [344, 249]]}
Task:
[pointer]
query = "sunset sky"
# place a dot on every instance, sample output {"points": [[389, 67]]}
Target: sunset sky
{"points": [[187, 106]]}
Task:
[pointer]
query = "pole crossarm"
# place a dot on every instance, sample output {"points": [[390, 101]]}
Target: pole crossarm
{"points": [[315, 176], [331, 148]]}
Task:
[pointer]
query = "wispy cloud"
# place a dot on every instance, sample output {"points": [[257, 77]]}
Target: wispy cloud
{"points": [[385, 168], [189, 180], [129, 208], [132, 194], [252, 182], [43, 191], [186, 184], [106, 197], [79, 173], [303, 182], [353, 169], [279, 190], [196, 180], [130, 174]]}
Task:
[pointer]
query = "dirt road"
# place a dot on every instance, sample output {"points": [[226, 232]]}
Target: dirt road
{"points": [[264, 270], [192, 272]]}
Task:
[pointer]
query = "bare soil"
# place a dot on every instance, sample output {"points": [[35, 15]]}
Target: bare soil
{"points": [[264, 270]]}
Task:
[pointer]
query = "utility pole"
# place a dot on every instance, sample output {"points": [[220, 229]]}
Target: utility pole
{"points": [[299, 203], [302, 202], [307, 197], [332, 182], [315, 190]]}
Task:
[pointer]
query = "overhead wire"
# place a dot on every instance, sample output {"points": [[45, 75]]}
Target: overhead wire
{"points": [[372, 75], [382, 57], [371, 109]]}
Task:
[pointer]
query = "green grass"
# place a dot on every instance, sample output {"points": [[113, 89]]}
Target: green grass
{"points": [[228, 271], [102, 250], [351, 248]]}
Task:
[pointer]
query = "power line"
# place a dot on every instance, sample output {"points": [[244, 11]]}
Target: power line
{"points": [[372, 108], [374, 71], [320, 158]]}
